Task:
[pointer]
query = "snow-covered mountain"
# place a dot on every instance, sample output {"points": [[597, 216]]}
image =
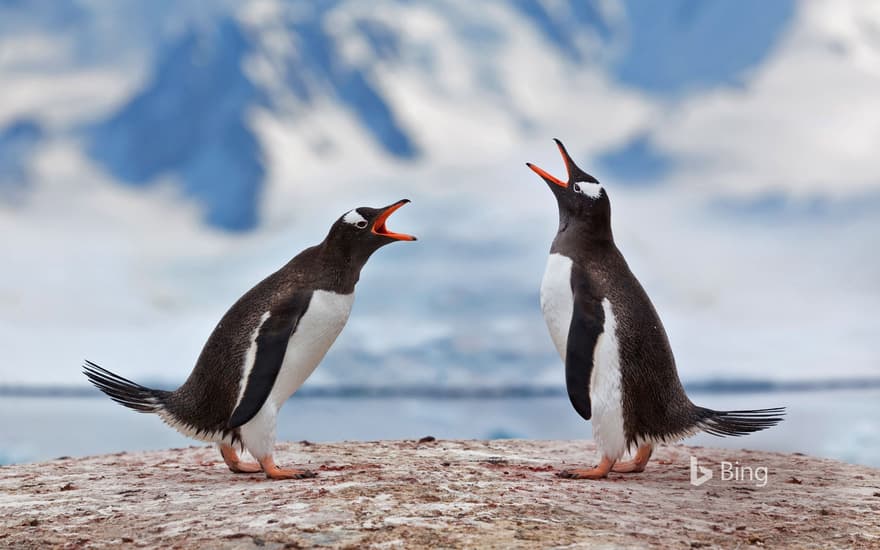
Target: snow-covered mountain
{"points": [[156, 159], [380, 66]]}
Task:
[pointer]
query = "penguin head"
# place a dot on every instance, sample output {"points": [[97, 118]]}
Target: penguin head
{"points": [[361, 231], [581, 199]]}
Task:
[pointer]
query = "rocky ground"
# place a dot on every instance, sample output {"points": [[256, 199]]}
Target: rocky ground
{"points": [[472, 494]]}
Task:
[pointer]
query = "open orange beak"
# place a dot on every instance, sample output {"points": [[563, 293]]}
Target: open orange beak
{"points": [[550, 177], [379, 227]]}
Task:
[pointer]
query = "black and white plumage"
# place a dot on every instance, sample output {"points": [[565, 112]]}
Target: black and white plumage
{"points": [[265, 346], [619, 368]]}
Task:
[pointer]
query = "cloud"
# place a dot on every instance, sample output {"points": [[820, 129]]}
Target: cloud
{"points": [[806, 121]]}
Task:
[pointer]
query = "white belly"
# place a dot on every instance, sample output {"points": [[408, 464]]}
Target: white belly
{"points": [[317, 330], [606, 396], [606, 404], [557, 302]]}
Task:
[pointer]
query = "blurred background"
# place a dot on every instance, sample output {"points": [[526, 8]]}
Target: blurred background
{"points": [[157, 159]]}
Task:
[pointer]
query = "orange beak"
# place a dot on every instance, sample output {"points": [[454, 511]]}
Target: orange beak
{"points": [[379, 225], [550, 177]]}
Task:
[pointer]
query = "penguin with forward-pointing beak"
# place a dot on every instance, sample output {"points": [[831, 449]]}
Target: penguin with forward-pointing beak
{"points": [[619, 369], [265, 347]]}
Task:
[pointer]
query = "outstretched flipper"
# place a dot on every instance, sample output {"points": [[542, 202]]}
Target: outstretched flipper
{"points": [[271, 344], [587, 324]]}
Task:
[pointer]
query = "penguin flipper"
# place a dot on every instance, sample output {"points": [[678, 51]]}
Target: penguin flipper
{"points": [[272, 338], [587, 323]]}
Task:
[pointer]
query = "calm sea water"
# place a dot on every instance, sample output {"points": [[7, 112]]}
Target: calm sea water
{"points": [[843, 424]]}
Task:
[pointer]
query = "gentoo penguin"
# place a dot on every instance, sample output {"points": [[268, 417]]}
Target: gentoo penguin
{"points": [[619, 368], [265, 347]]}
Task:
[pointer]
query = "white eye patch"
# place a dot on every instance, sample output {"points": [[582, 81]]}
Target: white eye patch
{"points": [[354, 218], [592, 190]]}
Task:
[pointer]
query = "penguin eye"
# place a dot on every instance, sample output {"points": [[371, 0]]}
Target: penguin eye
{"points": [[577, 188], [361, 224]]}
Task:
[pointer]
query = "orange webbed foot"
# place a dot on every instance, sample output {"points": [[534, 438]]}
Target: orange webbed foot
{"points": [[630, 467], [598, 472], [274, 472], [279, 473], [593, 473], [246, 468], [235, 464], [638, 463]]}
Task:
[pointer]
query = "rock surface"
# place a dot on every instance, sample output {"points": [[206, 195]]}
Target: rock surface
{"points": [[478, 494]]}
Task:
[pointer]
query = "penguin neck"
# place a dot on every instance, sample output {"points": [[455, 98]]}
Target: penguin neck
{"points": [[343, 261], [576, 234], [327, 266]]}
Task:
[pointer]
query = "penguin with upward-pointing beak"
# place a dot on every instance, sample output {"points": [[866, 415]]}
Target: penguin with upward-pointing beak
{"points": [[265, 347], [619, 368]]}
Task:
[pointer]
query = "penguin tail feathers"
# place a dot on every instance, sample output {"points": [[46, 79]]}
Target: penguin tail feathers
{"points": [[735, 423], [124, 391]]}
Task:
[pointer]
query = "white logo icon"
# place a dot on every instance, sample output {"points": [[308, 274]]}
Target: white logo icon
{"points": [[699, 474]]}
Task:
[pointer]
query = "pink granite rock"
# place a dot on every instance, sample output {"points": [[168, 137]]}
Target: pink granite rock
{"points": [[476, 494]]}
